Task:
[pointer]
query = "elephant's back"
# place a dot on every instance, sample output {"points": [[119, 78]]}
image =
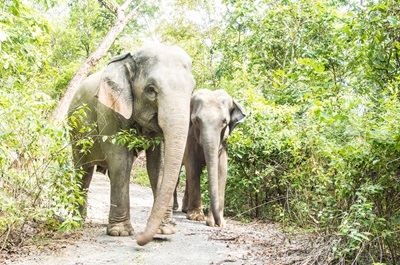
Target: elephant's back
{"points": [[86, 93]]}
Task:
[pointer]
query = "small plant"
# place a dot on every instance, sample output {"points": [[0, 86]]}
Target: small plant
{"points": [[39, 190]]}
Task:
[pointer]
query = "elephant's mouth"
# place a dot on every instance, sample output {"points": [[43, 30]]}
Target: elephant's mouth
{"points": [[152, 129], [153, 134]]}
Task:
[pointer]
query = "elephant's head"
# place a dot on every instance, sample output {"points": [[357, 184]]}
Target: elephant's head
{"points": [[214, 111], [214, 115], [152, 89]]}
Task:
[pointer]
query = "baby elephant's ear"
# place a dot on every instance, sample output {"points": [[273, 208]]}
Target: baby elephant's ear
{"points": [[237, 115], [115, 90]]}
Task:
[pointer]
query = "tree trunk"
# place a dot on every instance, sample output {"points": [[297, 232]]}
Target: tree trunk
{"points": [[119, 25]]}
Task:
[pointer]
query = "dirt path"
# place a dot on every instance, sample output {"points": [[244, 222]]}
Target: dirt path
{"points": [[194, 242]]}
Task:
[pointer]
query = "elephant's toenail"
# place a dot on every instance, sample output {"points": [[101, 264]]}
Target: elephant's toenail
{"points": [[124, 233], [113, 233]]}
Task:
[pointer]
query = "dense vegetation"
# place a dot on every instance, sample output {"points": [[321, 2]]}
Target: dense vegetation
{"points": [[319, 149]]}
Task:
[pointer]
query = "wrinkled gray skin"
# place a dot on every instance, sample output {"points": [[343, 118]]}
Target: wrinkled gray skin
{"points": [[213, 115], [150, 92]]}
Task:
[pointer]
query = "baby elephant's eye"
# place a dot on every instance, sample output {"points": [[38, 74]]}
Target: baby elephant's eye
{"points": [[151, 92], [224, 122]]}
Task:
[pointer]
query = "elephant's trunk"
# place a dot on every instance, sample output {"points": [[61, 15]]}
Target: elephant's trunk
{"points": [[175, 125], [211, 149]]}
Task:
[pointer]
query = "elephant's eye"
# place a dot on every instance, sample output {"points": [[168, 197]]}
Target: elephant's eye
{"points": [[224, 122], [150, 91]]}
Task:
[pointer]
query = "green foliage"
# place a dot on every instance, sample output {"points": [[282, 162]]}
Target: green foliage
{"points": [[42, 44], [194, 25], [38, 190], [326, 171], [85, 132], [22, 37], [87, 25], [132, 140], [74, 36], [319, 148]]}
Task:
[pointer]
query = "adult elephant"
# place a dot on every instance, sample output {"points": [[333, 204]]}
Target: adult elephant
{"points": [[148, 91], [213, 114]]}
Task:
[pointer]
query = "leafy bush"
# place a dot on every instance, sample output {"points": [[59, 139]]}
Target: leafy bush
{"points": [[330, 169], [38, 190], [320, 146]]}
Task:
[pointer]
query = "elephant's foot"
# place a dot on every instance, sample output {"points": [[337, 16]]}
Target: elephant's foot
{"points": [[195, 215], [120, 229], [211, 222], [185, 203], [167, 227], [184, 209]]}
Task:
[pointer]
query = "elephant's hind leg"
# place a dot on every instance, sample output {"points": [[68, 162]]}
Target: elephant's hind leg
{"points": [[85, 183], [176, 204], [185, 199], [167, 227]]}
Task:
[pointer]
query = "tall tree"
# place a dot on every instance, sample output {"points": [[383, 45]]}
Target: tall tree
{"points": [[124, 15]]}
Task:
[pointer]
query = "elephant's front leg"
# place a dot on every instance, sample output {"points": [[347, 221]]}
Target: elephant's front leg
{"points": [[194, 209], [222, 175], [119, 223], [154, 164], [185, 199]]}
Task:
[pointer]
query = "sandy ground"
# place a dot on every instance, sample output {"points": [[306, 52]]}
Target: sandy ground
{"points": [[194, 242]]}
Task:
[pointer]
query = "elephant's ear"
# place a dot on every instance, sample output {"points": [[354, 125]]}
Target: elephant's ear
{"points": [[237, 115], [115, 89]]}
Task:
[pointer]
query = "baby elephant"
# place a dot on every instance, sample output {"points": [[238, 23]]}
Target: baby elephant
{"points": [[213, 115]]}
